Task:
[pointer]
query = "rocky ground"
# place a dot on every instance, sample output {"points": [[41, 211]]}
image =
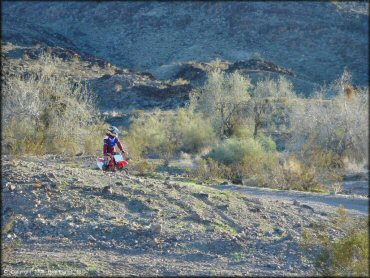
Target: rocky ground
{"points": [[63, 216]]}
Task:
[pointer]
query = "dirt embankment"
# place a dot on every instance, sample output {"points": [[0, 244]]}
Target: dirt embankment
{"points": [[60, 218]]}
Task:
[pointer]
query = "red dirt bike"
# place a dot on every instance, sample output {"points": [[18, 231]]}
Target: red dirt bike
{"points": [[113, 162]]}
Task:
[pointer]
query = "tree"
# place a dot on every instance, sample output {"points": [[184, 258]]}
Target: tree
{"points": [[267, 100], [339, 123], [222, 100]]}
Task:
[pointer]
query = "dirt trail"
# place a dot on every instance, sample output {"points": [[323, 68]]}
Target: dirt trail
{"points": [[356, 205]]}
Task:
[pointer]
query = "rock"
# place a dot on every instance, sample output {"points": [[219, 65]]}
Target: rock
{"points": [[279, 231], [201, 195], [267, 234], [196, 217], [41, 221], [81, 219], [296, 203], [138, 181], [46, 187], [107, 190], [37, 185], [10, 186], [255, 209], [288, 236], [51, 175], [55, 185], [223, 207], [308, 207], [155, 229]]}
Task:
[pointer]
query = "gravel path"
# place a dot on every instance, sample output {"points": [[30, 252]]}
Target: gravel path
{"points": [[356, 205]]}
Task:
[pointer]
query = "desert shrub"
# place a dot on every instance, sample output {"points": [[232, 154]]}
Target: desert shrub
{"points": [[339, 124], [136, 113], [217, 64], [297, 175], [246, 158], [146, 133], [234, 151], [166, 134], [266, 142], [242, 132], [222, 100], [211, 169], [45, 111], [347, 255], [192, 130], [270, 103], [143, 167]]}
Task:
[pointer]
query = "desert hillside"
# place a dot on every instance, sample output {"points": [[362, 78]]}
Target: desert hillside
{"points": [[315, 40]]}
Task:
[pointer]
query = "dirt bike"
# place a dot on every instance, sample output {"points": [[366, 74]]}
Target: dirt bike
{"points": [[113, 162]]}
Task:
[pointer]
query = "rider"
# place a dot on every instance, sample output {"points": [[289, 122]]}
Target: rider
{"points": [[110, 140]]}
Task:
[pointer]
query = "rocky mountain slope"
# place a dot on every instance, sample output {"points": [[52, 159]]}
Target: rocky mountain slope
{"points": [[317, 40], [63, 216]]}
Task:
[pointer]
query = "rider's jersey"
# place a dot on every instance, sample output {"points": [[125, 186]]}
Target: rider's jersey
{"points": [[110, 142]]}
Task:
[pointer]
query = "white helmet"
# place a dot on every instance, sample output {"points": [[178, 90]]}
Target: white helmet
{"points": [[113, 130]]}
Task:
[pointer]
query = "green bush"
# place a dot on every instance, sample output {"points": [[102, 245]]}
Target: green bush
{"points": [[193, 130], [246, 158], [347, 255], [267, 143], [242, 132], [233, 151]]}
